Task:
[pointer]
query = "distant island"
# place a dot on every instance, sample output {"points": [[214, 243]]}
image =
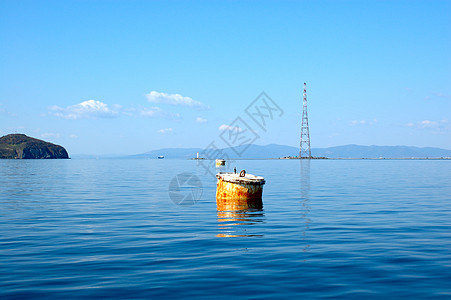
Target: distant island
{"points": [[20, 146]]}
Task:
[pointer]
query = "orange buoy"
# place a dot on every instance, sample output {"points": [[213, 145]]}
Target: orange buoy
{"points": [[239, 191]]}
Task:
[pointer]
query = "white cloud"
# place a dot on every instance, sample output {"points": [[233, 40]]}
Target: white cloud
{"points": [[150, 111], [90, 109], [47, 135], [442, 95], [437, 95], [201, 120], [93, 109], [174, 99], [428, 124], [73, 136], [363, 122], [165, 130], [435, 126], [157, 112], [224, 127]]}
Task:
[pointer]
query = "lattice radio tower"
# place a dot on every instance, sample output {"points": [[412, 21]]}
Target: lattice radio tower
{"points": [[305, 151]]}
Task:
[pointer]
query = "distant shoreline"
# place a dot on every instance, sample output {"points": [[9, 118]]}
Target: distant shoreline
{"points": [[274, 151], [270, 158], [370, 158], [334, 158]]}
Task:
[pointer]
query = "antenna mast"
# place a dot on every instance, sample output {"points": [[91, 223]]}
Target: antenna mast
{"points": [[305, 151]]}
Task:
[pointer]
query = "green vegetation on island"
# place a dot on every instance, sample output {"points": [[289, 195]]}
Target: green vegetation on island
{"points": [[20, 146]]}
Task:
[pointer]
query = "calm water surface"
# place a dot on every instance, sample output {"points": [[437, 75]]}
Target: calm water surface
{"points": [[328, 229]]}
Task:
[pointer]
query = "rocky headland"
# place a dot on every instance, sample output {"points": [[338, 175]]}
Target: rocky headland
{"points": [[20, 146]]}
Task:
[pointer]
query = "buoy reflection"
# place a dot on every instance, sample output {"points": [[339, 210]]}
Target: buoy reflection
{"points": [[237, 218]]}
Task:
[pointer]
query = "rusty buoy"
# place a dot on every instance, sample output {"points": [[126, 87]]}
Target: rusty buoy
{"points": [[239, 191]]}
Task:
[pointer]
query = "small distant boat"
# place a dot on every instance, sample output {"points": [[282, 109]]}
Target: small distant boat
{"points": [[220, 162], [160, 157]]}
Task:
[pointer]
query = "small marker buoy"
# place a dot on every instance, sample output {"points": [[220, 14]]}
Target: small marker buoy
{"points": [[220, 162]]}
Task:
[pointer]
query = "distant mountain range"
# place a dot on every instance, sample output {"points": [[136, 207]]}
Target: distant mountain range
{"points": [[276, 151], [356, 151]]}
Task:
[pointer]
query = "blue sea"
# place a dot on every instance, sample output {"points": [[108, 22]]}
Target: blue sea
{"points": [[142, 228]]}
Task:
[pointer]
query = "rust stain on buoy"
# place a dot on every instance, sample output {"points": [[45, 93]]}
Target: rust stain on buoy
{"points": [[239, 191]]}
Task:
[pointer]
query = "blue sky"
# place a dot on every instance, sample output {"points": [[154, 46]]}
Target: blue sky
{"points": [[127, 77]]}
